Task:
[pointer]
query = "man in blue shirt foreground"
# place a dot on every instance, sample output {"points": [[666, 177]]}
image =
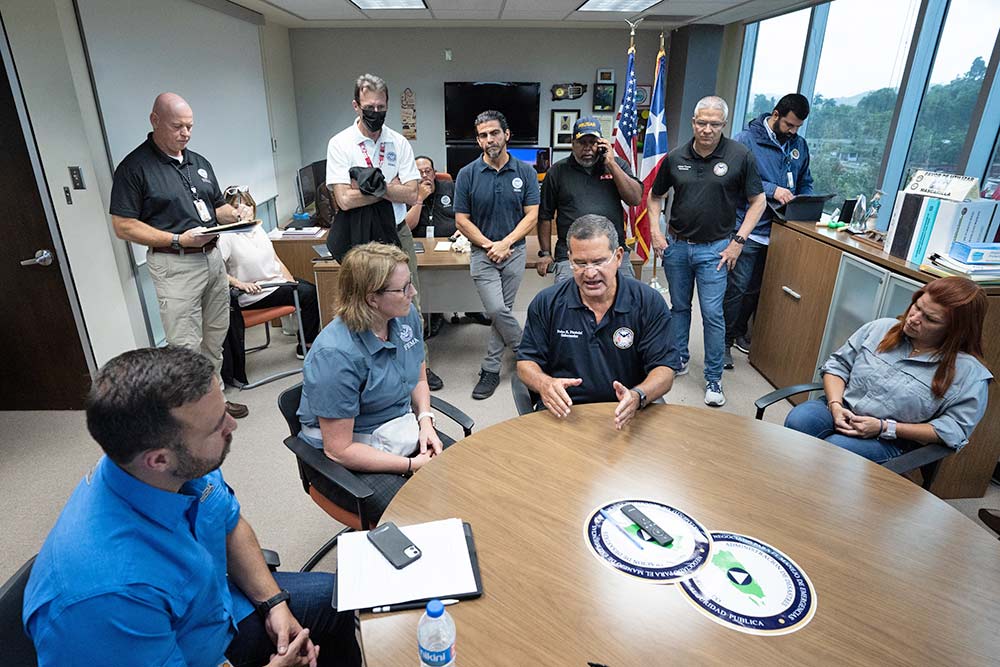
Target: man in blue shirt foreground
{"points": [[600, 337], [150, 562]]}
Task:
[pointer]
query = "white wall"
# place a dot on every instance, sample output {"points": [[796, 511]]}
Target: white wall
{"points": [[327, 61], [280, 85], [43, 40]]}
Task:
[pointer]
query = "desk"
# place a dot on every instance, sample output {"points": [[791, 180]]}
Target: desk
{"points": [[901, 577], [298, 254], [445, 283]]}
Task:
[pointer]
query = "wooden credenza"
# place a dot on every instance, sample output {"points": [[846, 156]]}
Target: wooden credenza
{"points": [[793, 328]]}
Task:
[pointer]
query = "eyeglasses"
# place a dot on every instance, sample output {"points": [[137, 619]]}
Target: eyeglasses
{"points": [[714, 124], [375, 107], [583, 266], [234, 190], [403, 290]]}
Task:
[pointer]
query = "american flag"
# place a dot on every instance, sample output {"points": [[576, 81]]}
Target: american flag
{"points": [[654, 149], [623, 136]]}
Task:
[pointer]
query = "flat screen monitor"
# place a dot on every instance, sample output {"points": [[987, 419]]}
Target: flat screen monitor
{"points": [[518, 102], [307, 187], [539, 157]]}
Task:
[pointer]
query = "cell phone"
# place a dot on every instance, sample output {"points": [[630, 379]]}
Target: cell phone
{"points": [[394, 545], [601, 150]]}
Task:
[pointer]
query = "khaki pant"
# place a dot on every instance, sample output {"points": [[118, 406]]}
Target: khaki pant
{"points": [[406, 239], [193, 293]]}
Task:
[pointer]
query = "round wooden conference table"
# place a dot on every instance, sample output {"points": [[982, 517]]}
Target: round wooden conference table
{"points": [[900, 576]]}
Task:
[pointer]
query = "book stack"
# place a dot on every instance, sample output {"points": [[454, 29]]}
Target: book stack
{"points": [[303, 233], [981, 273]]}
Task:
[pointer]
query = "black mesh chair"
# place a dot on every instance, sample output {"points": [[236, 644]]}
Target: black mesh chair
{"points": [[18, 651], [313, 461], [926, 457]]}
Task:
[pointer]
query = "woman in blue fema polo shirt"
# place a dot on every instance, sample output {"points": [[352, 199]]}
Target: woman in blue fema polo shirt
{"points": [[365, 376]]}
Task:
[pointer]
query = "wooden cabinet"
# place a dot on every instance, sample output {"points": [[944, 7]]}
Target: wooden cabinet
{"points": [[800, 319], [794, 299]]}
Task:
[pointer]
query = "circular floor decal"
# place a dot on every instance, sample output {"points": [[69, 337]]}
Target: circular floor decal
{"points": [[752, 587], [622, 545]]}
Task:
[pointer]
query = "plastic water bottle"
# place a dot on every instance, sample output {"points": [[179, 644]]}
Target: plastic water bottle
{"points": [[436, 636]]}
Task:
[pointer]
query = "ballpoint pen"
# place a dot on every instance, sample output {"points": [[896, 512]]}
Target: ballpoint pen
{"points": [[607, 517], [403, 606]]}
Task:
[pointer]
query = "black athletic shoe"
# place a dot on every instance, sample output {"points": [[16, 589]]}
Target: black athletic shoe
{"points": [[433, 381], [742, 344], [437, 323], [479, 318], [727, 359], [486, 386]]}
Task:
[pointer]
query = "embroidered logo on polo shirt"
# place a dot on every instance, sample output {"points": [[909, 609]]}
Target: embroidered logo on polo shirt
{"points": [[445, 200], [405, 333], [795, 153], [720, 169], [517, 183], [623, 338], [391, 157], [683, 167]]}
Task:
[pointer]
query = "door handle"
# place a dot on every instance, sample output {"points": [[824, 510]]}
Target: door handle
{"points": [[790, 292], [42, 257]]}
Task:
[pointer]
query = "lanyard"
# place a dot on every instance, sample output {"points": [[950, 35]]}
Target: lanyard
{"points": [[381, 154], [186, 178]]}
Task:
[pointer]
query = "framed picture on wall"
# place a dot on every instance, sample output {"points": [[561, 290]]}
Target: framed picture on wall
{"points": [[562, 127], [604, 96], [605, 76], [643, 96]]}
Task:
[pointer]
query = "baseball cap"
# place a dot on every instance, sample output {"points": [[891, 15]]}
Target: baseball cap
{"points": [[587, 125]]}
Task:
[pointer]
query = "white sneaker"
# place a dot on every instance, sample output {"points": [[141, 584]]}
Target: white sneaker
{"points": [[683, 371], [714, 395]]}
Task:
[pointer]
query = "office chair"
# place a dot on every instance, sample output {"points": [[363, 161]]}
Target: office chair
{"points": [[443, 176], [927, 457], [252, 318], [524, 400], [313, 459], [18, 651]]}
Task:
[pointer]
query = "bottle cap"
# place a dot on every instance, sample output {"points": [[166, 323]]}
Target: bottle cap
{"points": [[435, 608]]}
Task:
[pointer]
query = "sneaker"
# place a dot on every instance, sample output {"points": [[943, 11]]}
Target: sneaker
{"points": [[684, 370], [299, 354], [486, 386], [435, 325], [433, 381], [714, 395], [742, 344], [479, 318], [727, 359], [237, 410]]}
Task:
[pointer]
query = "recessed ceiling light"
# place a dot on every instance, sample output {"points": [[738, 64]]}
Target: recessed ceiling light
{"points": [[390, 4], [616, 5]]}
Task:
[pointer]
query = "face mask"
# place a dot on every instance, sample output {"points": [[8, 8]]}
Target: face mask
{"points": [[373, 120]]}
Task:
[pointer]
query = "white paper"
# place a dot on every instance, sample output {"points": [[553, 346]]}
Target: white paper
{"points": [[274, 234], [442, 246], [366, 579]]}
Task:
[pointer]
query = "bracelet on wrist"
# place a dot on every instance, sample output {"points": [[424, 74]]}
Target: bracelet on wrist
{"points": [[409, 467], [830, 404]]}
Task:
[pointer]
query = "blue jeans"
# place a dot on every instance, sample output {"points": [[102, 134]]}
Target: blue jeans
{"points": [[814, 418], [686, 264], [312, 605], [743, 289]]}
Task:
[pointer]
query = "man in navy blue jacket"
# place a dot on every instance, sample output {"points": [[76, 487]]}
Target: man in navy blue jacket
{"points": [[782, 158]]}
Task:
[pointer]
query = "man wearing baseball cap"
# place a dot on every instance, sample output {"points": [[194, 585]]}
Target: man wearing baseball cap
{"points": [[590, 181]]}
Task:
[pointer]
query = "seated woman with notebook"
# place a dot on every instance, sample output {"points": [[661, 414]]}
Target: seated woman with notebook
{"points": [[365, 377], [898, 383]]}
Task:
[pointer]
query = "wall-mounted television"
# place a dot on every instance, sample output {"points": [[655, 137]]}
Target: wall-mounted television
{"points": [[463, 101], [539, 157]]}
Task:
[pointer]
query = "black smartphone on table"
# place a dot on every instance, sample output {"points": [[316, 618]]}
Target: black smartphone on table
{"points": [[394, 545]]}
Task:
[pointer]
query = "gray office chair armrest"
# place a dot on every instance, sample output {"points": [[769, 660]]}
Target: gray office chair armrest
{"points": [[453, 413], [282, 283], [333, 471], [271, 558], [917, 458], [781, 394]]}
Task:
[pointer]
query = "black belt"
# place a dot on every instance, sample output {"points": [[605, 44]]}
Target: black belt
{"points": [[688, 239], [207, 248]]}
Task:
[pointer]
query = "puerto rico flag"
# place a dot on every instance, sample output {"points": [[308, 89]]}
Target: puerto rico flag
{"points": [[654, 149]]}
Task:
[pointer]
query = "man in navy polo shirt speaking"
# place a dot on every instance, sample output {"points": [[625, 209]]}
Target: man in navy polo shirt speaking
{"points": [[600, 337], [496, 206]]}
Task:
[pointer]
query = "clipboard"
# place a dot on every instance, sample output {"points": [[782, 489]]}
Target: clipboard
{"points": [[230, 228], [439, 594]]}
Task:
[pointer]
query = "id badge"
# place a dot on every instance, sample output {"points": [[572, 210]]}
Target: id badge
{"points": [[791, 180], [429, 231], [203, 211]]}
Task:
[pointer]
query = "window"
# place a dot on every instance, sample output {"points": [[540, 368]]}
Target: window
{"points": [[781, 42], [856, 90], [970, 31], [991, 180]]}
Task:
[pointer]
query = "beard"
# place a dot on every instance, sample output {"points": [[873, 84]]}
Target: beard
{"points": [[193, 467]]}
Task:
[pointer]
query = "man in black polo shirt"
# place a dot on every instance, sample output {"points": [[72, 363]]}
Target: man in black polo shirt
{"points": [[163, 196], [434, 212], [591, 180], [711, 175], [600, 337], [496, 206]]}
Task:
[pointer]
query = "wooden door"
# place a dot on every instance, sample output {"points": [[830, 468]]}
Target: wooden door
{"points": [[44, 365], [794, 300]]}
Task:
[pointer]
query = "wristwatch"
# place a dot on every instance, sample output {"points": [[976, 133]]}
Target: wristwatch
{"points": [[265, 607], [739, 239], [890, 429], [642, 397], [544, 253], [175, 242]]}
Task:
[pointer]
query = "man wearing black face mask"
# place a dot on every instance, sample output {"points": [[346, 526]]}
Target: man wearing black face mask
{"points": [[368, 143]]}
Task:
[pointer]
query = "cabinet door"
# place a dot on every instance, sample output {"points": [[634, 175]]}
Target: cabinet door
{"points": [[856, 300], [794, 300], [898, 294]]}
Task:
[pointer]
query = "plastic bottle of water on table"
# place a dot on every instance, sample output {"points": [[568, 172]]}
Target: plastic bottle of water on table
{"points": [[436, 636]]}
